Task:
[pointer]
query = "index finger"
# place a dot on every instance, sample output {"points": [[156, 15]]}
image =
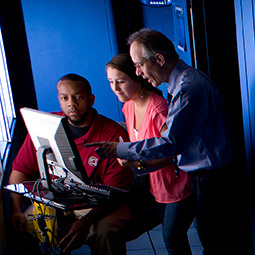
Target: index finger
{"points": [[69, 245], [95, 144], [65, 241]]}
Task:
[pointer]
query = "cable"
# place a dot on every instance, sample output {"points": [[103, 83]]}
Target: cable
{"points": [[47, 244], [61, 179]]}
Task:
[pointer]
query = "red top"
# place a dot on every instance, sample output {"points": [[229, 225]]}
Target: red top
{"points": [[106, 171], [164, 185]]}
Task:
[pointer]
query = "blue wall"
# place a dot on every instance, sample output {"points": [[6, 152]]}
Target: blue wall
{"points": [[164, 19], [71, 36], [80, 36]]}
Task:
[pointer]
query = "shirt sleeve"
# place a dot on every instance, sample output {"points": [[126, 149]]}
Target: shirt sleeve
{"points": [[26, 159]]}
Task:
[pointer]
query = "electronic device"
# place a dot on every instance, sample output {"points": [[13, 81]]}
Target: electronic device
{"points": [[156, 3], [55, 146], [63, 177]]}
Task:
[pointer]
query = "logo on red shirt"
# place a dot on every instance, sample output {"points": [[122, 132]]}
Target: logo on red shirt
{"points": [[93, 161]]}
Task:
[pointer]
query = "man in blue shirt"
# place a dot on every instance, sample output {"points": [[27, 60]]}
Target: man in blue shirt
{"points": [[198, 135]]}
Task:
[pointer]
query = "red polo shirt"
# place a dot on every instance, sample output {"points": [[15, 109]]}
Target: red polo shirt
{"points": [[106, 171]]}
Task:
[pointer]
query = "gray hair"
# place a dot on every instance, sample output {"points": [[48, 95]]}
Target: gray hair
{"points": [[153, 42]]}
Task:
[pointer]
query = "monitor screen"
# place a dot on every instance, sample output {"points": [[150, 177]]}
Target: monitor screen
{"points": [[53, 140]]}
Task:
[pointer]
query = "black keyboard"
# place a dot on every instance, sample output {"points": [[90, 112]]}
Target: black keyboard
{"points": [[102, 189], [71, 196], [79, 189]]}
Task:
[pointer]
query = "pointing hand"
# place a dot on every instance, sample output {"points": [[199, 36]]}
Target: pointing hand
{"points": [[105, 150]]}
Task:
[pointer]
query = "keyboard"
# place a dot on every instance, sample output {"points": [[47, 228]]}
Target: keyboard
{"points": [[94, 188], [71, 195]]}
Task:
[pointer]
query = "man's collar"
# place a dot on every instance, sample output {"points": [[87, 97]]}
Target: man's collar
{"points": [[94, 132], [179, 68]]}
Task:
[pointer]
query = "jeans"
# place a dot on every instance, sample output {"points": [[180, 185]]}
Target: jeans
{"points": [[176, 219]]}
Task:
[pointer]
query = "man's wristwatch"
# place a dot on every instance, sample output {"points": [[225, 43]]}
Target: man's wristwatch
{"points": [[141, 165]]}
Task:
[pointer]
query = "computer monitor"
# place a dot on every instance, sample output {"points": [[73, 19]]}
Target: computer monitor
{"points": [[57, 153]]}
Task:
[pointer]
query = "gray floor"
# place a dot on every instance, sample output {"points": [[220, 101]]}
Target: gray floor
{"points": [[142, 245]]}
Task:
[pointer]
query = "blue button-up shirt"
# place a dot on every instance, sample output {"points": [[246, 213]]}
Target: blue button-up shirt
{"points": [[198, 130]]}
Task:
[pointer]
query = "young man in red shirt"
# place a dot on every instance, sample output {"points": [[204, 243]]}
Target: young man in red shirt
{"points": [[103, 228]]}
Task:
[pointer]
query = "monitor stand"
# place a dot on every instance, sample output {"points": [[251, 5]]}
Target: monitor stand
{"points": [[41, 154], [56, 189]]}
